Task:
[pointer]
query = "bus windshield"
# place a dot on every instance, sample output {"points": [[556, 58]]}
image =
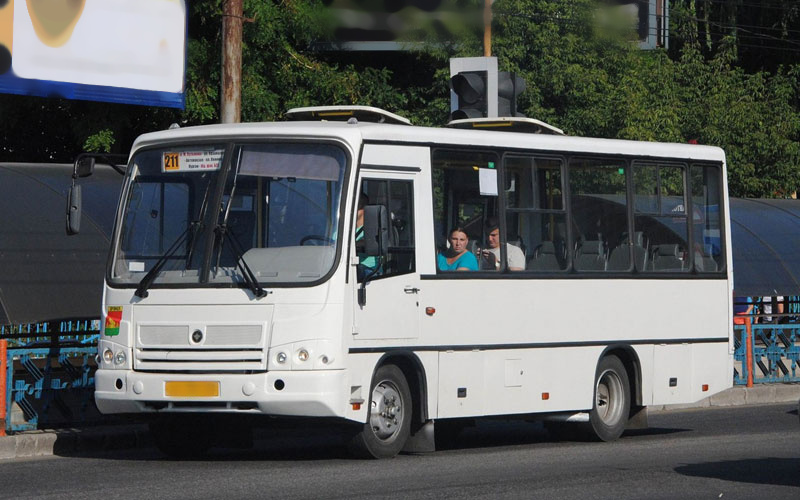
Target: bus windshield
{"points": [[189, 218]]}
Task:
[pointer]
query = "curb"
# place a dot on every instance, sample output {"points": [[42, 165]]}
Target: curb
{"points": [[741, 396], [74, 441]]}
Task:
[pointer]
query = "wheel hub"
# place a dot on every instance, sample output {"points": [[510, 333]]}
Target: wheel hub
{"points": [[386, 411]]}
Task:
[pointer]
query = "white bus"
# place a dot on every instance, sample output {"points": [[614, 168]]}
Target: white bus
{"points": [[292, 269]]}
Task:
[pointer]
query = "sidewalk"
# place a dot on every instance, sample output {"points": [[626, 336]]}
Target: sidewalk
{"points": [[122, 437]]}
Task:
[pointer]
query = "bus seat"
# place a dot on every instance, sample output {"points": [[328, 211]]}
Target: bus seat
{"points": [[544, 258], [620, 258], [705, 263], [665, 257], [591, 256]]}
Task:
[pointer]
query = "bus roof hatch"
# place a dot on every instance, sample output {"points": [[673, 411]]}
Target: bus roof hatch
{"points": [[344, 113], [507, 124]]}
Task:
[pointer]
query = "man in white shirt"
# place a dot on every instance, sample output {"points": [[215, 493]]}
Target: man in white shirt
{"points": [[516, 259]]}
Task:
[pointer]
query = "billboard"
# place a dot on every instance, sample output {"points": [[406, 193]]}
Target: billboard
{"points": [[124, 51]]}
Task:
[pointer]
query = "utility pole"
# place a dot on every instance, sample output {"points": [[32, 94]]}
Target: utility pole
{"points": [[487, 28], [231, 105]]}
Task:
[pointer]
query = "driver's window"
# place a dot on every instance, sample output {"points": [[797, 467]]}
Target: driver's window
{"points": [[397, 196]]}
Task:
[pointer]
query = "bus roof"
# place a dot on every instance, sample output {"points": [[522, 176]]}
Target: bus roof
{"points": [[355, 133]]}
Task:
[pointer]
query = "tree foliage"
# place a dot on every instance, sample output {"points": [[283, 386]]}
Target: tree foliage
{"points": [[728, 80]]}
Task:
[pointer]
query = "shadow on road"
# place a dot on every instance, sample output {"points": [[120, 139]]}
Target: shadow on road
{"points": [[772, 471], [303, 442]]}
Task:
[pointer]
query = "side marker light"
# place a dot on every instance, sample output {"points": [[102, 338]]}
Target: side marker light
{"points": [[545, 396], [705, 387], [430, 311]]}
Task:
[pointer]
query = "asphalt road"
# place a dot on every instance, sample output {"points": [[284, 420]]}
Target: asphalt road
{"points": [[741, 452]]}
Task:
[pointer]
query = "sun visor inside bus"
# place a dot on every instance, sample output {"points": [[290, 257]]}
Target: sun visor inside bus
{"points": [[307, 161]]}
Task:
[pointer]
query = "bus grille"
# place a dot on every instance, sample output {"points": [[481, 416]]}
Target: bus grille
{"points": [[223, 348]]}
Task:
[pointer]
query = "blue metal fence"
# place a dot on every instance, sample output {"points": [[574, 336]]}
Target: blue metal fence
{"points": [[50, 373], [775, 350]]}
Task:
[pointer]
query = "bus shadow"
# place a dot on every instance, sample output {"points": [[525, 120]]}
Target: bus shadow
{"points": [[654, 431], [303, 443], [768, 471]]}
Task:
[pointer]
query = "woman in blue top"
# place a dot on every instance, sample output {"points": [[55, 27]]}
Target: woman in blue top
{"points": [[457, 258]]}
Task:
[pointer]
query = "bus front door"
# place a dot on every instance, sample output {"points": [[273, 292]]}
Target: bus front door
{"points": [[391, 309]]}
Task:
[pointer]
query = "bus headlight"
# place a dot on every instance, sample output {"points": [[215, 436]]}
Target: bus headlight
{"points": [[281, 358], [108, 356], [120, 358], [302, 355]]}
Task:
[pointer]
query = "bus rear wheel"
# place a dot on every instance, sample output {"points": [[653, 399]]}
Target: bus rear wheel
{"points": [[389, 422], [609, 415]]}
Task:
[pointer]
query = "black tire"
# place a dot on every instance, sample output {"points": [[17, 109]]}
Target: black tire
{"points": [[612, 401], [389, 419], [183, 436]]}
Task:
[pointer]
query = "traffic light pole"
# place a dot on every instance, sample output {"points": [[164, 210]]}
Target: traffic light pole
{"points": [[231, 105], [487, 28]]}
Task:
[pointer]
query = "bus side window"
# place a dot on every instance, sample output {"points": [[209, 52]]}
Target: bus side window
{"points": [[660, 221], [397, 196], [459, 202], [599, 217], [535, 212], [709, 254]]}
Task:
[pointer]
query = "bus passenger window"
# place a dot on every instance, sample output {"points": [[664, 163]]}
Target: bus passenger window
{"points": [[709, 254], [599, 219], [460, 201], [535, 215], [660, 221]]}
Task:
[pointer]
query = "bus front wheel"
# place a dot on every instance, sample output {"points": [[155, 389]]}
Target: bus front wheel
{"points": [[609, 415], [389, 422]]}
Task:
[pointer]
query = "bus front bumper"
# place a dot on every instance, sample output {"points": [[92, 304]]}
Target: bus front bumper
{"points": [[318, 393]]}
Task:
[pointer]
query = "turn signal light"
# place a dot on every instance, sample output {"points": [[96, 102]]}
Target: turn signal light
{"points": [[430, 311], [545, 396], [705, 387]]}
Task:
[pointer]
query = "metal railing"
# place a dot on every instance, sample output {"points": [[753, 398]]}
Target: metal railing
{"points": [[774, 350], [767, 345], [49, 371]]}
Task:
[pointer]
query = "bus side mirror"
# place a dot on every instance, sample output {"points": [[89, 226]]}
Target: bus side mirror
{"points": [[84, 166], [376, 231], [74, 210]]}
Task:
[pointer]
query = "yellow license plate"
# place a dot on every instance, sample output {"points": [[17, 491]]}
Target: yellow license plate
{"points": [[191, 389]]}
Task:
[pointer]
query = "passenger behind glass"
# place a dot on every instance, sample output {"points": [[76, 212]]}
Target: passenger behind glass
{"points": [[366, 263], [516, 259], [457, 258]]}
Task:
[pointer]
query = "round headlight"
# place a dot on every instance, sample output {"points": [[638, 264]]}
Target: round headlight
{"points": [[281, 358], [108, 356], [120, 358], [302, 355]]}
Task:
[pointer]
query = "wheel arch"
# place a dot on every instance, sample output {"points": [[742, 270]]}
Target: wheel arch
{"points": [[414, 372], [633, 367]]}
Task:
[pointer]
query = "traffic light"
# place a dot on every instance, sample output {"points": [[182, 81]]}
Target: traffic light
{"points": [[509, 86], [471, 89]]}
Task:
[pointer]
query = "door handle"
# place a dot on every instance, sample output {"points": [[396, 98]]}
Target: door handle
{"points": [[411, 289]]}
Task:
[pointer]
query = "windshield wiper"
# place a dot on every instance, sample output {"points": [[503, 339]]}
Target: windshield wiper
{"points": [[141, 290], [221, 230]]}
